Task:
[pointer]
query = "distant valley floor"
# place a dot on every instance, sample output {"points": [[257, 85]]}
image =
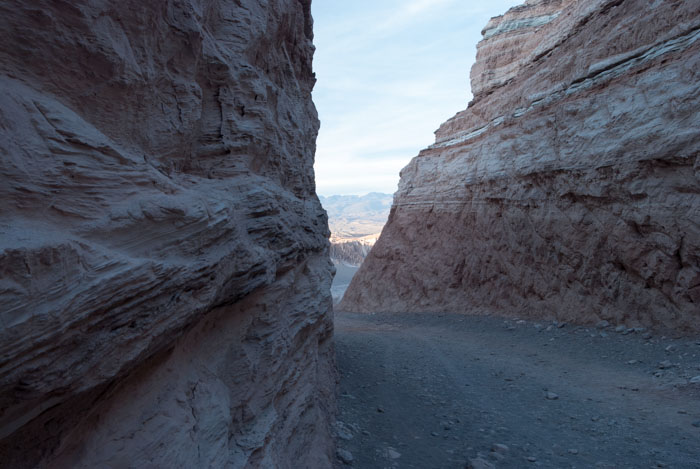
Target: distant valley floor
{"points": [[341, 281]]}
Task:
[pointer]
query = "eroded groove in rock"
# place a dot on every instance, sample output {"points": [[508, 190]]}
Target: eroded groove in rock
{"points": [[164, 272], [570, 187]]}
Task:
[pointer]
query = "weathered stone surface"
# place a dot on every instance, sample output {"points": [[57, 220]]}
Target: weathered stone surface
{"points": [[570, 187], [164, 272], [512, 40]]}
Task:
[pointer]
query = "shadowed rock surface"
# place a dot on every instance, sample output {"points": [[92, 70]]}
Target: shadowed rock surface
{"points": [[570, 187], [164, 272]]}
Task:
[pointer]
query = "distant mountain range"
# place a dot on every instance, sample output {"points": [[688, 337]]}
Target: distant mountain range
{"points": [[352, 216]]}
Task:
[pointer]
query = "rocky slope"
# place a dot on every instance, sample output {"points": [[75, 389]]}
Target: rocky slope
{"points": [[570, 186], [164, 272]]}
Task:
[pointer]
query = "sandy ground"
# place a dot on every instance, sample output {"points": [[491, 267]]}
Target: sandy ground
{"points": [[454, 391], [341, 281]]}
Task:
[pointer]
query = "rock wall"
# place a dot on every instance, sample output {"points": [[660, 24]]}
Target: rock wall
{"points": [[570, 186], [164, 274]]}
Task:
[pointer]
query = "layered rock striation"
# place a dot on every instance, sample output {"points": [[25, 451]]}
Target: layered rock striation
{"points": [[351, 252], [164, 272], [570, 186]]}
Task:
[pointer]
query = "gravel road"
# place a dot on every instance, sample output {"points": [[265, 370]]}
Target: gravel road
{"points": [[454, 391]]}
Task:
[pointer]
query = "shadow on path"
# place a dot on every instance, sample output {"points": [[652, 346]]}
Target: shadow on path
{"points": [[438, 391]]}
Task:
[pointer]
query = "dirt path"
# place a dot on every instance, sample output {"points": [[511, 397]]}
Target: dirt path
{"points": [[453, 391]]}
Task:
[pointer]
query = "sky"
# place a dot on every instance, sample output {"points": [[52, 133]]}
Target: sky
{"points": [[389, 73]]}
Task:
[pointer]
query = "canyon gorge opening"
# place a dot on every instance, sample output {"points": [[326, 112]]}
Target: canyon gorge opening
{"points": [[165, 286]]}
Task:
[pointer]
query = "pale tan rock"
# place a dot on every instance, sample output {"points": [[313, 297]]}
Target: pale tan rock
{"points": [[571, 192], [164, 272]]}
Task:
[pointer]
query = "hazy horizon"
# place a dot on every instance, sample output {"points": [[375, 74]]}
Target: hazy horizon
{"points": [[389, 73]]}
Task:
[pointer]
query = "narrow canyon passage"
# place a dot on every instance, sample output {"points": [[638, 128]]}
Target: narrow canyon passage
{"points": [[447, 391]]}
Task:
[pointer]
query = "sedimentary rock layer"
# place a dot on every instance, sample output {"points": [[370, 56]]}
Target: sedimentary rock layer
{"points": [[164, 272], [350, 252], [570, 186]]}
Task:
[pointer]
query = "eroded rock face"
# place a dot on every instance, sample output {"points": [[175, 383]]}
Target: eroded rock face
{"points": [[570, 187], [164, 272]]}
